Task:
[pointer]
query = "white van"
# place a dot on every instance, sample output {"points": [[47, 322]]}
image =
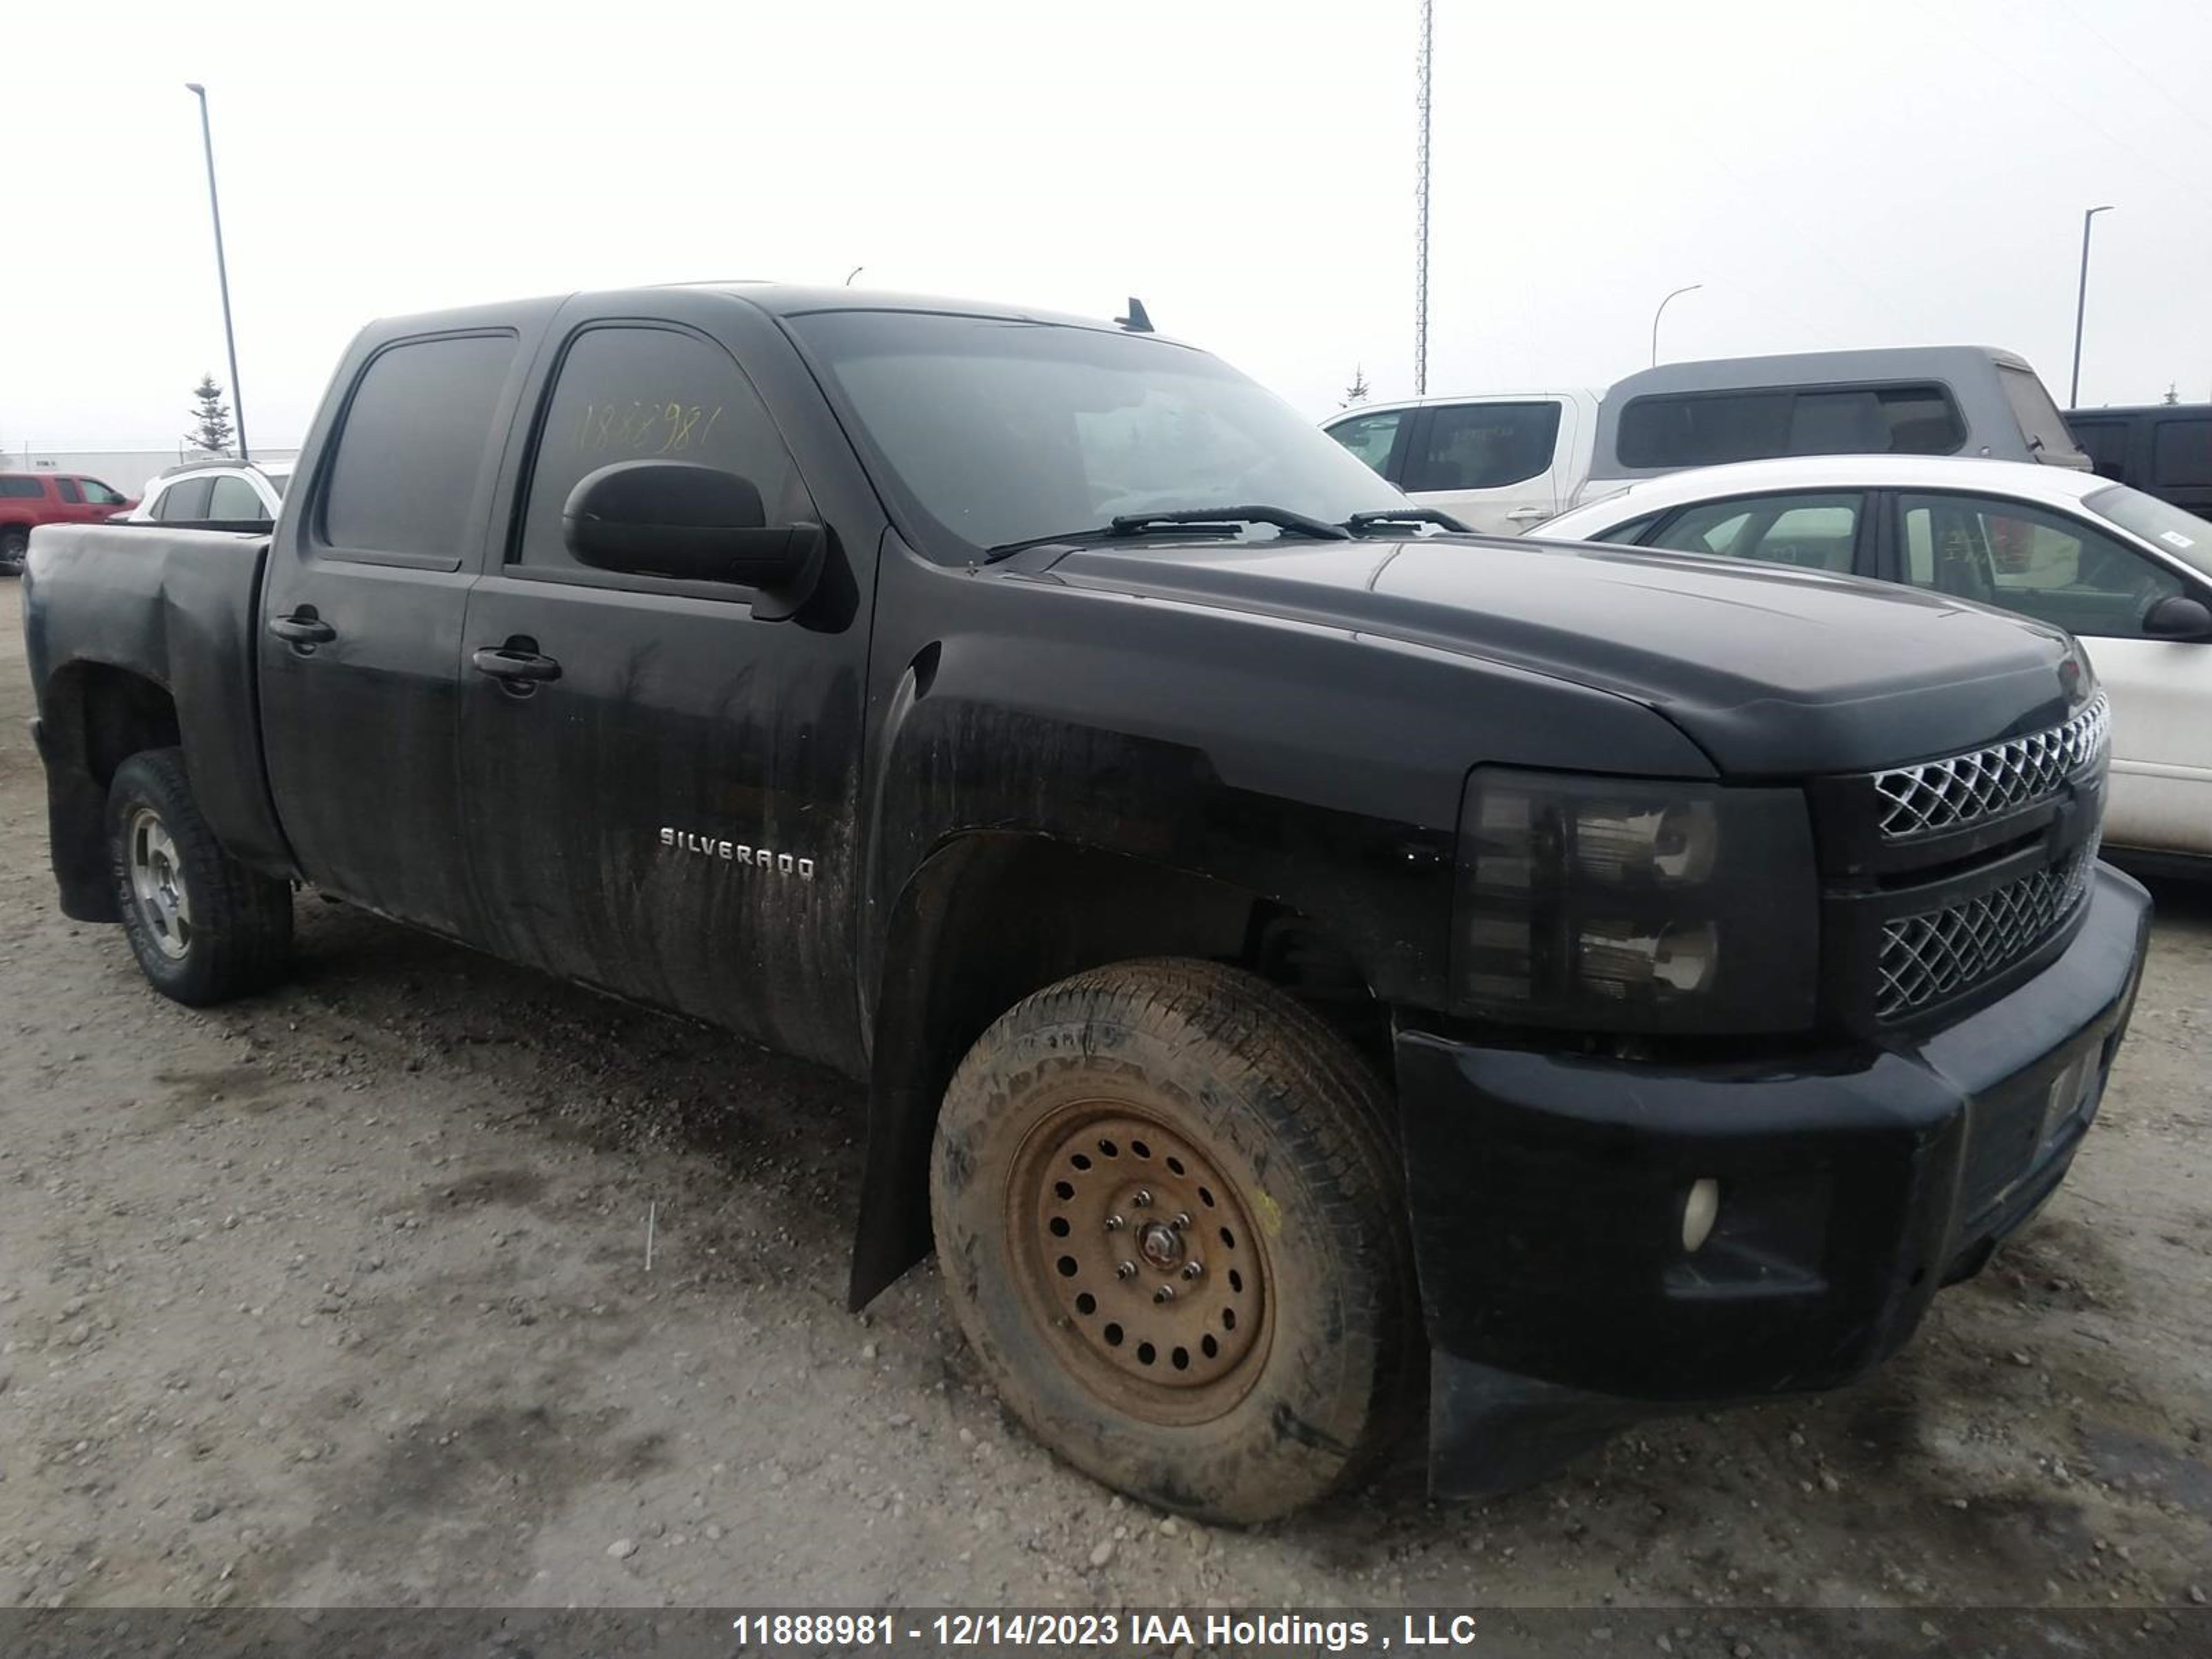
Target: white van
{"points": [[1500, 462]]}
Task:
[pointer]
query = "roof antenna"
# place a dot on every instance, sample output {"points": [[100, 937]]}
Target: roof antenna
{"points": [[1137, 322]]}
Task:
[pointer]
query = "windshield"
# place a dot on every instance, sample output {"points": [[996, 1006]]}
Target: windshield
{"points": [[998, 431], [2162, 523]]}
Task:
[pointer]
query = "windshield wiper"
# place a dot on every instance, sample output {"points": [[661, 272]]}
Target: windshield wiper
{"points": [[1193, 521], [1301, 523], [1360, 523], [1104, 532]]}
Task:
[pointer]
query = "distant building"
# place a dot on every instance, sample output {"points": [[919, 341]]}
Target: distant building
{"points": [[127, 469]]}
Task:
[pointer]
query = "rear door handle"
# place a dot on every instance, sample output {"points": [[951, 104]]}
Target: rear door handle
{"points": [[514, 661], [303, 628]]}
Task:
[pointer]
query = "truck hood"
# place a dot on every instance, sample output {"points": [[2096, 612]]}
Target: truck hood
{"points": [[1773, 671]]}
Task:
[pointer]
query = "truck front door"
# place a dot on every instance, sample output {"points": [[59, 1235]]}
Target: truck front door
{"points": [[361, 616], [666, 809]]}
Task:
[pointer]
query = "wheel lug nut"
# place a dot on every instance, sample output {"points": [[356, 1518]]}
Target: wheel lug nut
{"points": [[1126, 1270], [1115, 1224], [1193, 1269], [1181, 1221], [1143, 1199], [1166, 1293]]}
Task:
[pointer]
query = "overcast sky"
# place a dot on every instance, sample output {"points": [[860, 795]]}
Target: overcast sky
{"points": [[1837, 175]]}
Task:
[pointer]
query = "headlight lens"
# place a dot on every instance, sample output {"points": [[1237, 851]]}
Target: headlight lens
{"points": [[1629, 904]]}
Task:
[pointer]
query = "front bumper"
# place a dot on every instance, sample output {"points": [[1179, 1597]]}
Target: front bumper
{"points": [[1547, 1194]]}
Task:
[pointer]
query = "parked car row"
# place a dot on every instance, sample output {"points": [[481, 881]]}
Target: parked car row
{"points": [[1291, 947], [1506, 462]]}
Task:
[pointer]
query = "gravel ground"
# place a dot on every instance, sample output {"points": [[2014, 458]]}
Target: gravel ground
{"points": [[341, 1295]]}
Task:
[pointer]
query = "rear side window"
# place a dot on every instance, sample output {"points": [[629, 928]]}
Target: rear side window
{"points": [[2181, 453], [1815, 532], [185, 501], [410, 452], [633, 393], [29, 489], [1709, 429], [1483, 445], [70, 493], [235, 499]]}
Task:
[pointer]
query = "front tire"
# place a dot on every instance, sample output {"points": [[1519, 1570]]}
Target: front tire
{"points": [[203, 927], [1168, 1217]]}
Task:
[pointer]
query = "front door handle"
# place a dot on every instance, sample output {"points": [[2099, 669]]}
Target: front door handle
{"points": [[1527, 514], [515, 660], [303, 628]]}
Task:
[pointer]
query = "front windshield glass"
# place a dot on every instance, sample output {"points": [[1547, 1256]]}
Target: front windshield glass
{"points": [[998, 431], [2160, 523]]}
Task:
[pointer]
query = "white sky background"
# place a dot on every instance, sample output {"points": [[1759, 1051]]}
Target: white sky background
{"points": [[1836, 175]]}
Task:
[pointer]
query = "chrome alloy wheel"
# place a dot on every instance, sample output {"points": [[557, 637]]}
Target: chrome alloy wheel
{"points": [[157, 884]]}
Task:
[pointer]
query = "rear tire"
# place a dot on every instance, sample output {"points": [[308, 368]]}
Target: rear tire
{"points": [[14, 547], [203, 927], [1168, 1216]]}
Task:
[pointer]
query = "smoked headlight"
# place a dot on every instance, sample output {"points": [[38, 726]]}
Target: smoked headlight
{"points": [[1629, 904]]}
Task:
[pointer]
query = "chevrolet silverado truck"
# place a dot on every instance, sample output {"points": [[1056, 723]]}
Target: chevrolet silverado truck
{"points": [[1300, 957]]}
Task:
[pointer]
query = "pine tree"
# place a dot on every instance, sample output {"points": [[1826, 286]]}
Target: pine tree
{"points": [[1358, 391], [212, 419]]}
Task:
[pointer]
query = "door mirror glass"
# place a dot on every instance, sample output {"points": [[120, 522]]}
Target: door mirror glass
{"points": [[681, 519], [2179, 617]]}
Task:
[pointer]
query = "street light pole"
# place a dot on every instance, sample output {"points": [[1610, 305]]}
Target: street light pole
{"points": [[221, 269], [1662, 312], [2081, 305]]}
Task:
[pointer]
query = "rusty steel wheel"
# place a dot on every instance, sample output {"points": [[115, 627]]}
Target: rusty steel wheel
{"points": [[1168, 1218], [1135, 1250]]}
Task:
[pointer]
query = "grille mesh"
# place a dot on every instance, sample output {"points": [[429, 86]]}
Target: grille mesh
{"points": [[1927, 957], [1963, 789]]}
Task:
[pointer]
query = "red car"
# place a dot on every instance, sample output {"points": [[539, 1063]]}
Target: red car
{"points": [[27, 499]]}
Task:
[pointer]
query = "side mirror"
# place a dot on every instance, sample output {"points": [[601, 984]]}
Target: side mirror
{"points": [[693, 523], [2179, 617]]}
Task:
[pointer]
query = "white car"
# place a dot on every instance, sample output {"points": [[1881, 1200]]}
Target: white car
{"points": [[215, 491], [1498, 463], [2128, 575]]}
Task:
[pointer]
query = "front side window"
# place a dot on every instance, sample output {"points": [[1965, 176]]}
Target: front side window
{"points": [[1371, 437], [185, 502], [1485, 446], [633, 393], [1815, 532], [996, 430], [411, 448], [235, 500], [2030, 560], [2181, 453], [100, 495]]}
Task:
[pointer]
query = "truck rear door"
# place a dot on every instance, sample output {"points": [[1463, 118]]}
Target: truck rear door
{"points": [[363, 607], [659, 785]]}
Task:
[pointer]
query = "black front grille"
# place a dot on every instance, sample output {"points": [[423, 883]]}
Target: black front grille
{"points": [[1934, 955], [1948, 880]]}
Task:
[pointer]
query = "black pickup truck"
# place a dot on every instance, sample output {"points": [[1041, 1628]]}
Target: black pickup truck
{"points": [[1296, 952]]}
